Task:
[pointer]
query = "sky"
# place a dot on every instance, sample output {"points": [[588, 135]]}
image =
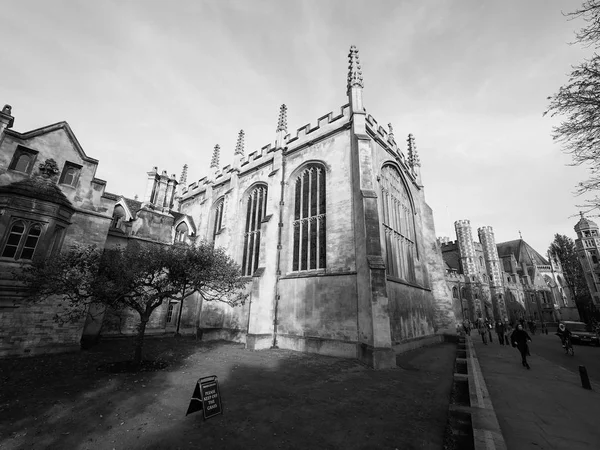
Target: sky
{"points": [[158, 83]]}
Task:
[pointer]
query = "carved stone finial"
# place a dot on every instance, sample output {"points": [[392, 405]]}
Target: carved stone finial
{"points": [[7, 109], [355, 78], [413, 155], [49, 168], [135, 197], [282, 122], [183, 177], [391, 131], [239, 146], [581, 214], [214, 162]]}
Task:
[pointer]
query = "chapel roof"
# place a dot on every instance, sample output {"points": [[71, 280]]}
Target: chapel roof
{"points": [[522, 252]]}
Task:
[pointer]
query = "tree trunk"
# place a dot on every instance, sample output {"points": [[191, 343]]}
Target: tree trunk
{"points": [[139, 341]]}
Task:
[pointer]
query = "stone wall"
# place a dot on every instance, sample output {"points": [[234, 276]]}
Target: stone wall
{"points": [[31, 329]]}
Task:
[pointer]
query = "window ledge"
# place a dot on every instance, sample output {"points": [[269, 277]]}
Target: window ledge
{"points": [[407, 283], [70, 186], [316, 273]]}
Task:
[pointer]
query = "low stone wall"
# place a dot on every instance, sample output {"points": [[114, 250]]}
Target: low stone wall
{"points": [[472, 421]]}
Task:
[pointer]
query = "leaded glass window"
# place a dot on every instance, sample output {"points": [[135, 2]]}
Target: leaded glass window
{"points": [[398, 226], [218, 217], [22, 240], [309, 219], [255, 212]]}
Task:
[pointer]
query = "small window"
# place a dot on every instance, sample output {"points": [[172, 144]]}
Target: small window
{"points": [[594, 259], [454, 292], [118, 216], [70, 174], [170, 312], [485, 278], [23, 160], [218, 217], [481, 261], [22, 240], [181, 232]]}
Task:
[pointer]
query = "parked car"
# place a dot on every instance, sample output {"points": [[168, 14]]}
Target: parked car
{"points": [[582, 333]]}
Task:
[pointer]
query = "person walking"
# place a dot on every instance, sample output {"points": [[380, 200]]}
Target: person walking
{"points": [[507, 330], [482, 331], [500, 332], [519, 338], [489, 327]]}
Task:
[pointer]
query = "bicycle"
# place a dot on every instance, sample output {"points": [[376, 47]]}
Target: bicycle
{"points": [[569, 347]]}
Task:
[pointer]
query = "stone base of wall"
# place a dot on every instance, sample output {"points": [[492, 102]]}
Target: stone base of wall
{"points": [[222, 334], [39, 350], [377, 358], [415, 343], [259, 341], [330, 347]]}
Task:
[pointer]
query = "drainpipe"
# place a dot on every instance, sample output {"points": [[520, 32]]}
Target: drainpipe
{"points": [[279, 246]]}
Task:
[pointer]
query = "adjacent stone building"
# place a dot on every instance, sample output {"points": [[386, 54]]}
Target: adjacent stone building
{"points": [[330, 227], [508, 280], [49, 199]]}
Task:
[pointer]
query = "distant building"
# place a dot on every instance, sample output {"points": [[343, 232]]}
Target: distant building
{"points": [[588, 247], [509, 280]]}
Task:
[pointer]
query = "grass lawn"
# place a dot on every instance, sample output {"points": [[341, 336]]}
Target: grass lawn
{"points": [[271, 399]]}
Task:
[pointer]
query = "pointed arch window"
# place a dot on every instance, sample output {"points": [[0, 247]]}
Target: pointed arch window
{"points": [[454, 292], [398, 225], [219, 206], [309, 219], [22, 240], [181, 232], [255, 213]]}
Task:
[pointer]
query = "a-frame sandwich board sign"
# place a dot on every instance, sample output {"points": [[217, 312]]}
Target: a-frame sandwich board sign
{"points": [[206, 397]]}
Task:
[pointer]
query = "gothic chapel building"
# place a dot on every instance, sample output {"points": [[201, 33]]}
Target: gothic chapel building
{"points": [[331, 228], [332, 232]]}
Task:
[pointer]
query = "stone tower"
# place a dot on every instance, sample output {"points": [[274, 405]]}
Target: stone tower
{"points": [[492, 262], [588, 250], [466, 247]]}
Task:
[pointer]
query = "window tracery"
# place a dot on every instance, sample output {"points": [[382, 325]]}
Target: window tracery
{"points": [[22, 240], [309, 219], [255, 212], [398, 225]]}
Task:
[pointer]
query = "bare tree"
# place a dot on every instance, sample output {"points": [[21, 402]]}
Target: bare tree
{"points": [[578, 104]]}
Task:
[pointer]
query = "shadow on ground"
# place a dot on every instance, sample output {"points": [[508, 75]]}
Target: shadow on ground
{"points": [[271, 399]]}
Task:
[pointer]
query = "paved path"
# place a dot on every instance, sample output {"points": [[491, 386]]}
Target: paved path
{"points": [[549, 348], [542, 408]]}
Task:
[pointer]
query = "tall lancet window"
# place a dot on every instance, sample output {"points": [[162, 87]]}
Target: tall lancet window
{"points": [[255, 213], [398, 225], [219, 206], [309, 219]]}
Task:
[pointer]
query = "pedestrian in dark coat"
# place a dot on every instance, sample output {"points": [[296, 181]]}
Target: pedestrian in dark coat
{"points": [[519, 338], [500, 330]]}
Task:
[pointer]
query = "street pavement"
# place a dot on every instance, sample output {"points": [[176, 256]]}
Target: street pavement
{"points": [[549, 347], [545, 407]]}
